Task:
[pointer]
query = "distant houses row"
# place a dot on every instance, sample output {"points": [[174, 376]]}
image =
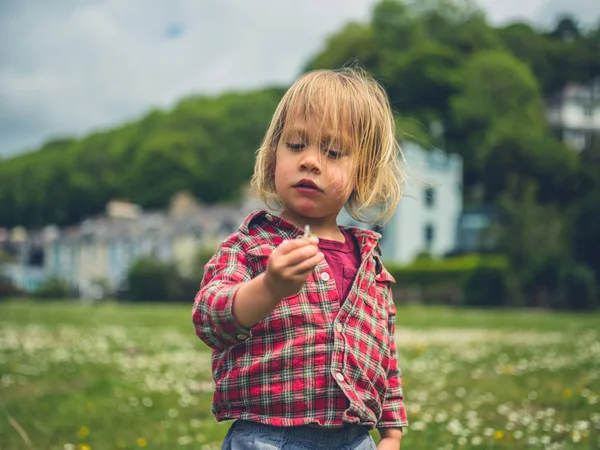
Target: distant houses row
{"points": [[95, 256]]}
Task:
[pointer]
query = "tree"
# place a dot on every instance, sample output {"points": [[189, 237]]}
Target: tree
{"points": [[355, 43], [146, 162], [529, 46], [497, 87], [394, 26], [526, 227], [151, 280], [566, 29], [542, 271], [497, 95], [422, 80], [585, 231], [459, 25], [556, 58], [514, 155]]}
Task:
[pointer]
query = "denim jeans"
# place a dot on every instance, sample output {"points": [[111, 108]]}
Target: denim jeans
{"points": [[245, 435]]}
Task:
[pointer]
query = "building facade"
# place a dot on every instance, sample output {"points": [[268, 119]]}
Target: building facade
{"points": [[574, 114]]}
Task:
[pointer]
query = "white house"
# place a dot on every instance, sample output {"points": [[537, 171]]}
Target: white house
{"points": [[575, 113], [427, 217]]}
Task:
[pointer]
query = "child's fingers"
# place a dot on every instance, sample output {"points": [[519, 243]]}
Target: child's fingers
{"points": [[299, 255], [293, 244], [307, 266]]}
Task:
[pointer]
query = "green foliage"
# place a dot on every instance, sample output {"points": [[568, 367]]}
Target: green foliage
{"points": [[554, 58], [7, 288], [427, 75], [151, 280], [432, 280], [534, 238], [526, 227], [495, 86], [146, 162], [528, 45], [394, 26], [486, 286], [498, 104], [516, 158], [579, 289], [52, 288], [355, 43], [554, 281], [548, 279], [585, 231], [463, 262]]}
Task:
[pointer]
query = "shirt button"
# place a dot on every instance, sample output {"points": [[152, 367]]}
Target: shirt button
{"points": [[242, 336], [325, 276], [339, 376], [339, 327], [269, 217], [378, 276]]}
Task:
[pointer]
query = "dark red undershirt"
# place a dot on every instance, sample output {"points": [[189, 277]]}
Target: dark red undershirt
{"points": [[343, 259]]}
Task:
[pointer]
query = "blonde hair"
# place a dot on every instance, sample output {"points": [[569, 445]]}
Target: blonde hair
{"points": [[358, 113]]}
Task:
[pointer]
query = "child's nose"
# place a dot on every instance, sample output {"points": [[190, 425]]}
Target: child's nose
{"points": [[311, 160]]}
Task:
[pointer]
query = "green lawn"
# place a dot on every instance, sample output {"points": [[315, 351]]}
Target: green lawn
{"points": [[121, 376]]}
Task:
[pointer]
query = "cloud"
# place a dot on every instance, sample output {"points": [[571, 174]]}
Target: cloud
{"points": [[587, 12], [78, 66], [541, 12], [511, 10], [70, 67]]}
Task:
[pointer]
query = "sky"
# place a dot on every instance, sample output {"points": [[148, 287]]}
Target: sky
{"points": [[71, 67]]}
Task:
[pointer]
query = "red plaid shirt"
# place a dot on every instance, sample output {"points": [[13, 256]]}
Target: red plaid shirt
{"points": [[310, 360]]}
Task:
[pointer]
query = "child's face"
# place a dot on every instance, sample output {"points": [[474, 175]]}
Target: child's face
{"points": [[312, 179]]}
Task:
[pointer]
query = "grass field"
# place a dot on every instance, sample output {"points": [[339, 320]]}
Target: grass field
{"points": [[130, 377]]}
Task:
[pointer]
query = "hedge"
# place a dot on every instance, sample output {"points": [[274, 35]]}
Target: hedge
{"points": [[453, 270]]}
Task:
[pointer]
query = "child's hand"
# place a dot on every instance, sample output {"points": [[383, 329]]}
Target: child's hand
{"points": [[290, 264]]}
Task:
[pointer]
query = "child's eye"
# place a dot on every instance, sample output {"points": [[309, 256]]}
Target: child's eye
{"points": [[333, 154], [295, 147]]}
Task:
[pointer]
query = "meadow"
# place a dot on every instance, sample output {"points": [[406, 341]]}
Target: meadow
{"points": [[110, 376]]}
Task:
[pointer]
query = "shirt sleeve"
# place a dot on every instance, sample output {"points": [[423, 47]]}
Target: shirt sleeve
{"points": [[212, 313], [393, 412]]}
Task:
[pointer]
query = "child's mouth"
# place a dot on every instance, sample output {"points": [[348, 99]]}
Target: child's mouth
{"points": [[307, 185]]}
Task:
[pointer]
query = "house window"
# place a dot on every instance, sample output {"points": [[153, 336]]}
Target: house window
{"points": [[429, 234], [588, 110], [429, 197]]}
